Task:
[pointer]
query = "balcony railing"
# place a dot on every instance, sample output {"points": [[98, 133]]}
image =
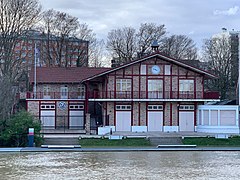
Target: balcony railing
{"points": [[152, 95], [126, 95], [55, 95]]}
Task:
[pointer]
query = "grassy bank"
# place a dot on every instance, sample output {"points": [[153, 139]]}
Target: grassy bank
{"points": [[211, 141], [131, 142]]}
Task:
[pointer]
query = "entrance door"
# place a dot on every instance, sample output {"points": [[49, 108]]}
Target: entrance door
{"points": [[123, 120], [155, 120], [76, 120], [48, 119], [186, 121]]}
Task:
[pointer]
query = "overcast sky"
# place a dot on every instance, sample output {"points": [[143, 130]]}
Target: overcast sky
{"points": [[199, 19]]}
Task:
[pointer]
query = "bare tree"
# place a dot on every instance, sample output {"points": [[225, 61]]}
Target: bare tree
{"points": [[147, 33], [96, 53], [179, 47], [69, 41], [95, 47], [127, 43], [59, 27], [122, 43], [217, 51], [16, 17], [7, 98]]}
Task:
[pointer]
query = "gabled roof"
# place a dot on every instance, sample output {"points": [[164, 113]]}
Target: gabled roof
{"points": [[64, 75], [156, 55]]}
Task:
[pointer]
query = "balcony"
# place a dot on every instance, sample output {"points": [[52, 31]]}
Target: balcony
{"points": [[56, 95], [152, 95], [125, 95]]}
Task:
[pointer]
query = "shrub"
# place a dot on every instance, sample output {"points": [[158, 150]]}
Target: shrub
{"points": [[15, 132]]}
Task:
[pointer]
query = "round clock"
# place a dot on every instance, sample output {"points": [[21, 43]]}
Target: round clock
{"points": [[155, 69]]}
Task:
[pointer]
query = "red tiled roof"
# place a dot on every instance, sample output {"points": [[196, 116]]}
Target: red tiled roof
{"points": [[64, 75]]}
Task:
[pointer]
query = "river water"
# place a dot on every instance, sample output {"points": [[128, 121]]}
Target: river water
{"points": [[120, 165]]}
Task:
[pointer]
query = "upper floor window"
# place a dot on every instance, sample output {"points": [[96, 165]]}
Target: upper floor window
{"points": [[143, 69], [167, 70], [64, 92], [155, 88], [46, 92], [123, 85], [81, 91], [186, 85], [155, 85]]}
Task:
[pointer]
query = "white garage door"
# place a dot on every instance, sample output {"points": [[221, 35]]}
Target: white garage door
{"points": [[76, 119], [186, 121], [48, 119], [123, 120], [155, 120]]}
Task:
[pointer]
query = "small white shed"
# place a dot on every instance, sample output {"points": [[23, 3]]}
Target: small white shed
{"points": [[218, 119]]}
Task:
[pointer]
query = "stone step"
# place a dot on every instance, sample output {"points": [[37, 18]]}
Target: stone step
{"points": [[60, 146], [176, 146], [155, 141], [61, 141]]}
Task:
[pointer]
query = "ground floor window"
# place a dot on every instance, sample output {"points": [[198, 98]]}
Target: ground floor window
{"points": [[123, 107], [186, 107], [155, 107]]}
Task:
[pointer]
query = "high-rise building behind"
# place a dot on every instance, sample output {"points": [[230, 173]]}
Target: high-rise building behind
{"points": [[50, 50]]}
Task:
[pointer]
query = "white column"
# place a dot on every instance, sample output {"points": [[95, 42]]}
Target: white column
{"points": [[218, 117], [209, 117]]}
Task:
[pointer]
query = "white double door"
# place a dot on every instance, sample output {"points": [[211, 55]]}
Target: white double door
{"points": [[123, 120], [186, 121], [48, 119], [155, 120], [76, 119]]}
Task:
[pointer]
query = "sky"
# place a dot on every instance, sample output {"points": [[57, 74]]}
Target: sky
{"points": [[198, 19]]}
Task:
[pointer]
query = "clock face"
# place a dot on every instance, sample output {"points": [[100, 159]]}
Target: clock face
{"points": [[155, 69]]}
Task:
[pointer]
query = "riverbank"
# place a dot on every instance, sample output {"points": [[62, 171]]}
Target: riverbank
{"points": [[115, 149]]}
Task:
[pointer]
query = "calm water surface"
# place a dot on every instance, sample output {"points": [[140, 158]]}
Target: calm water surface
{"points": [[120, 165]]}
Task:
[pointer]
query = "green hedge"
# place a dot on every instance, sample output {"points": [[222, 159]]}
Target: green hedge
{"points": [[14, 131], [110, 142], [211, 141]]}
